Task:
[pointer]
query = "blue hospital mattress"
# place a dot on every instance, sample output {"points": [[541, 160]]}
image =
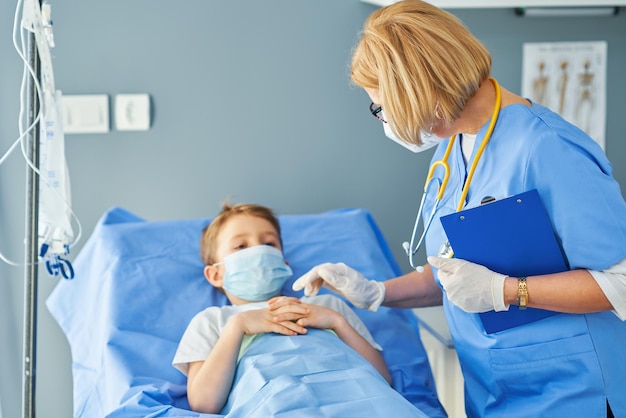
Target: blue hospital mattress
{"points": [[138, 284]]}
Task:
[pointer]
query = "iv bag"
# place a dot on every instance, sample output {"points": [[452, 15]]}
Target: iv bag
{"points": [[55, 214], [55, 226]]}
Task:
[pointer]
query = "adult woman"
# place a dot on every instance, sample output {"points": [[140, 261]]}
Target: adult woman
{"points": [[428, 79]]}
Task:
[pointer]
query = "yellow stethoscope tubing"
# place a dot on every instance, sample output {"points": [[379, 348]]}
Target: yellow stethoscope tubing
{"points": [[483, 145], [443, 183]]}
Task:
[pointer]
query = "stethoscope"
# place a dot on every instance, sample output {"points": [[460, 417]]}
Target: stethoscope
{"points": [[446, 251]]}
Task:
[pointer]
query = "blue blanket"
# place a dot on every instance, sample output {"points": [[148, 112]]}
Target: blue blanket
{"points": [[315, 376], [139, 283]]}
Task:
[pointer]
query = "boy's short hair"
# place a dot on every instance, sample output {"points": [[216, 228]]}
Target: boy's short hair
{"points": [[211, 231]]}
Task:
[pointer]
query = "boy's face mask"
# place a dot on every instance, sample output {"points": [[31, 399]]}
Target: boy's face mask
{"points": [[256, 273]]}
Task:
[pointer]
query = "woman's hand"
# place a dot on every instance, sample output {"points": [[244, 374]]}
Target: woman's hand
{"points": [[470, 286], [363, 293]]}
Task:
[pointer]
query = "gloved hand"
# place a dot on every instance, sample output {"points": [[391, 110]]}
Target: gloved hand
{"points": [[363, 293], [470, 286]]}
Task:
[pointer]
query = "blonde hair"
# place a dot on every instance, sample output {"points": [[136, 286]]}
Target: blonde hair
{"points": [[424, 62], [208, 241]]}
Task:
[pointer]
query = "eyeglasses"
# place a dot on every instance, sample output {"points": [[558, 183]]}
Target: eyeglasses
{"points": [[377, 112]]}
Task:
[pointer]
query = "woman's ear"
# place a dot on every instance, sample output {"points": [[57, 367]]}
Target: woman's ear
{"points": [[213, 276]]}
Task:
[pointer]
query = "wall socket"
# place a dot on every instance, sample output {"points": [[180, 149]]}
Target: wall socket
{"points": [[132, 112]]}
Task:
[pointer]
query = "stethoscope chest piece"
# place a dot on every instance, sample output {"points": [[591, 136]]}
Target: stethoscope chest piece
{"points": [[445, 250]]}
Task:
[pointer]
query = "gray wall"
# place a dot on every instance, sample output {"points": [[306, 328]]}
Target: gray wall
{"points": [[251, 101]]}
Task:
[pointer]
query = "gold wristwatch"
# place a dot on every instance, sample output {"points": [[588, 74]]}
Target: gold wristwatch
{"points": [[522, 293]]}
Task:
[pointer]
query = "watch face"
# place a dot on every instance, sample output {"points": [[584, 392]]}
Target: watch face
{"points": [[523, 301]]}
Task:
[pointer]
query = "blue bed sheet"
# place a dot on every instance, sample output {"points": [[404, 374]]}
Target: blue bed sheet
{"points": [[138, 284]]}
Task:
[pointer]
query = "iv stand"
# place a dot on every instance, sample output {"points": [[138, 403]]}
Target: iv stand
{"points": [[31, 237]]}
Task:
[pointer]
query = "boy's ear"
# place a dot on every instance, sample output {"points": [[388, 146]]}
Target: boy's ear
{"points": [[213, 276]]}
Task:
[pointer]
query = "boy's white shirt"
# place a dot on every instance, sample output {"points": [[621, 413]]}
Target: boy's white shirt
{"points": [[206, 327]]}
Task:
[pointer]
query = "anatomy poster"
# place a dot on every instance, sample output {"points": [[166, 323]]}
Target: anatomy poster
{"points": [[570, 79]]}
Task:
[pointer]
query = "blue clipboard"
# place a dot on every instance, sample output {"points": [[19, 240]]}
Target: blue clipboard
{"points": [[512, 236]]}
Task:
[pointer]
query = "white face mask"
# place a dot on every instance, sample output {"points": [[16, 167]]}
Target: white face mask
{"points": [[255, 273], [428, 139]]}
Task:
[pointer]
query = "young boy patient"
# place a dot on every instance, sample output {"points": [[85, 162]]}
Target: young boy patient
{"points": [[242, 253]]}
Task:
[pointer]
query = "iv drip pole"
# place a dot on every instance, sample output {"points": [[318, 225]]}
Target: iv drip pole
{"points": [[48, 230], [31, 236]]}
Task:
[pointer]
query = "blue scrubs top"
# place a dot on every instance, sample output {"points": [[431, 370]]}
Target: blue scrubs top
{"points": [[567, 364]]}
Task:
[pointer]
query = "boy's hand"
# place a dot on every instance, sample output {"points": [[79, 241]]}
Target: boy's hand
{"points": [[287, 308], [303, 314], [259, 321], [321, 317], [278, 301]]}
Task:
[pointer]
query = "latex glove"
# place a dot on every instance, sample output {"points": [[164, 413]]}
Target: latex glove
{"points": [[470, 286], [363, 293]]}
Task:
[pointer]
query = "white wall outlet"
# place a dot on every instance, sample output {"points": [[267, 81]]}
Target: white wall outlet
{"points": [[132, 112], [85, 113]]}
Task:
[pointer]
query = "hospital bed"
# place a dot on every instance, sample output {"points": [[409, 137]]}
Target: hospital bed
{"points": [[138, 283]]}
